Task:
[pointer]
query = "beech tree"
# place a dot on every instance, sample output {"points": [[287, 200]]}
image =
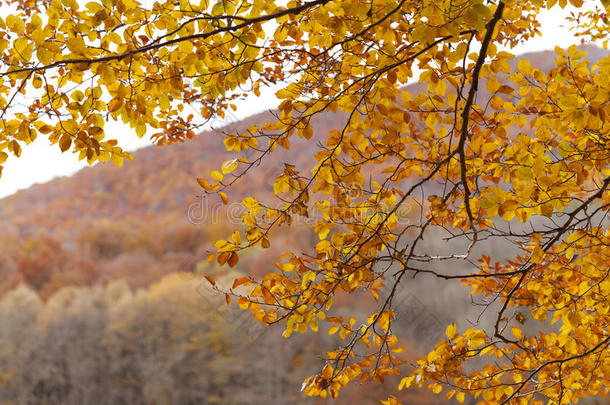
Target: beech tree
{"points": [[526, 163]]}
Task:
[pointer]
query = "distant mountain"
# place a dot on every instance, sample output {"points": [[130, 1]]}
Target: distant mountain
{"points": [[160, 182]]}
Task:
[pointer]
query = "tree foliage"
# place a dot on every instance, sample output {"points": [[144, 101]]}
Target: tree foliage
{"points": [[526, 163]]}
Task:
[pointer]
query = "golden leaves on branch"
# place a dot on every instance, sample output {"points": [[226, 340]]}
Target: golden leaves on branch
{"points": [[531, 151]]}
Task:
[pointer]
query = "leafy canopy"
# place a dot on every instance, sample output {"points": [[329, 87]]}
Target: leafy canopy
{"points": [[485, 151]]}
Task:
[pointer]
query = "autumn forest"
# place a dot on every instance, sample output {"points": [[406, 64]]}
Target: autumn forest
{"points": [[419, 216]]}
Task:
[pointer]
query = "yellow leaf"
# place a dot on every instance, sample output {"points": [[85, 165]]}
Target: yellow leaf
{"points": [[265, 243], [573, 237], [280, 34], [450, 331], [185, 47], [313, 323], [493, 85], [203, 183], [524, 66], [229, 166], [547, 209], [488, 147], [517, 333], [496, 102], [37, 82], [116, 159], [406, 382], [140, 129], [24, 48], [507, 209], [537, 255], [216, 175], [281, 185], [308, 132]]}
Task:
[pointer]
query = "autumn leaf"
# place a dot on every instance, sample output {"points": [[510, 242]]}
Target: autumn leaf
{"points": [[240, 281], [232, 260]]}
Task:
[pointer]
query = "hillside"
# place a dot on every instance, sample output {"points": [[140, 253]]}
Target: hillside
{"points": [[151, 206], [98, 261], [160, 181]]}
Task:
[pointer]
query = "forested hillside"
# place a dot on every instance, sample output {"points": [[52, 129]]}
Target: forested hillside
{"points": [[103, 292]]}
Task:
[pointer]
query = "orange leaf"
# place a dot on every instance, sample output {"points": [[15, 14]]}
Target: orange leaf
{"points": [[210, 279], [240, 281], [223, 257], [265, 243], [65, 142], [233, 259], [327, 372]]}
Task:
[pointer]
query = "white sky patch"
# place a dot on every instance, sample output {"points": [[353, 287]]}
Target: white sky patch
{"points": [[41, 162], [555, 29]]}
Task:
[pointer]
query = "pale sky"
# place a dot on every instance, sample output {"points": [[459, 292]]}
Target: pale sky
{"points": [[41, 162]]}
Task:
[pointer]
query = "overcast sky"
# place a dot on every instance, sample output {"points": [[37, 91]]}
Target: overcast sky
{"points": [[41, 162]]}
